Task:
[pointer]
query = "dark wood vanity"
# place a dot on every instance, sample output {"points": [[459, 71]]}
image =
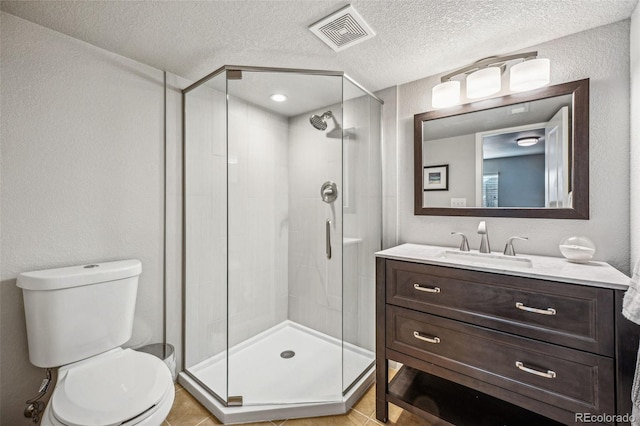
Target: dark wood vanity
{"points": [[483, 348]]}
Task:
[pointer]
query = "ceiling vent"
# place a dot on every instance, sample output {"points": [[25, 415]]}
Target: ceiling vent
{"points": [[342, 29]]}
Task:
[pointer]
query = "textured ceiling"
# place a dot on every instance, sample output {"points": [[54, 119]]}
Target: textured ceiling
{"points": [[414, 38]]}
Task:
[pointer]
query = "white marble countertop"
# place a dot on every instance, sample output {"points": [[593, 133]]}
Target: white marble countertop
{"points": [[596, 274]]}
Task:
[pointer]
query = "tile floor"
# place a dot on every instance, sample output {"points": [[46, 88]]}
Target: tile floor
{"points": [[186, 411]]}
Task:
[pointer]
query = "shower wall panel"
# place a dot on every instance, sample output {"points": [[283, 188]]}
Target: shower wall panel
{"points": [[315, 285], [258, 227]]}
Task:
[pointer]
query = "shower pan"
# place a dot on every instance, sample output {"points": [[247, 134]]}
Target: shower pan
{"points": [[282, 215]]}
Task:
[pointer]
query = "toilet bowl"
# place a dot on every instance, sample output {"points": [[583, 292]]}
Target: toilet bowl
{"points": [[77, 319], [120, 387]]}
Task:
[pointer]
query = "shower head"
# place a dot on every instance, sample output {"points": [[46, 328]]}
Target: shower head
{"points": [[318, 121]]}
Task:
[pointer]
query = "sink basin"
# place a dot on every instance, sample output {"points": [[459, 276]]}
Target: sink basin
{"points": [[486, 259]]}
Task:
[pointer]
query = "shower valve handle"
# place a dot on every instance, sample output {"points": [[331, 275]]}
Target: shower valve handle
{"points": [[328, 235], [329, 192]]}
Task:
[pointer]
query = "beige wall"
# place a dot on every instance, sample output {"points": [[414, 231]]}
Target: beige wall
{"points": [[81, 179], [601, 54]]}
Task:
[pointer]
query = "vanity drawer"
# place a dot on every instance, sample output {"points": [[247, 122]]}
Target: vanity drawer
{"points": [[576, 316], [563, 377]]}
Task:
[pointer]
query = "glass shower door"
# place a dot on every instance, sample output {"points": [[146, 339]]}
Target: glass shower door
{"points": [[205, 238], [362, 203], [284, 285]]}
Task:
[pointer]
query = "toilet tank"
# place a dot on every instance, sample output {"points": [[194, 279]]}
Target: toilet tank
{"points": [[77, 312]]}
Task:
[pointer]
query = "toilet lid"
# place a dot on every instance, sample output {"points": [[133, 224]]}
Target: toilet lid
{"points": [[111, 389]]}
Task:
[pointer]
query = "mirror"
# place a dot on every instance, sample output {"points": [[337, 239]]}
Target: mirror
{"points": [[520, 155]]}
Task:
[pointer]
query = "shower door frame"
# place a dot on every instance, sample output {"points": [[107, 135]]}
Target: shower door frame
{"points": [[232, 401], [273, 70]]}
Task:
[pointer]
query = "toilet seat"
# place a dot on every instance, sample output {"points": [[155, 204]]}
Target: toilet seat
{"points": [[121, 386]]}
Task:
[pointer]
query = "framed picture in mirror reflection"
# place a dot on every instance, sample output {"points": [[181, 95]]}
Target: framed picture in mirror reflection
{"points": [[436, 178]]}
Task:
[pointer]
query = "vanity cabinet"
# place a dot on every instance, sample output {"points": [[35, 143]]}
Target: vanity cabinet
{"points": [[483, 348]]}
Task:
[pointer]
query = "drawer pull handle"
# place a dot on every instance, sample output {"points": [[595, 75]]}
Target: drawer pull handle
{"points": [[549, 374], [419, 336], [548, 311], [427, 289]]}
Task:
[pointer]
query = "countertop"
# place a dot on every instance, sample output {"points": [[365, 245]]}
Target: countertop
{"points": [[592, 273]]}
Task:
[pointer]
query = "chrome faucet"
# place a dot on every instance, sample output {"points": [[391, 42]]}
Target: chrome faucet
{"points": [[464, 244], [508, 249], [484, 243]]}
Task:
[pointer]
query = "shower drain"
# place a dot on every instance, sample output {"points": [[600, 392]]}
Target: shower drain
{"points": [[287, 354]]}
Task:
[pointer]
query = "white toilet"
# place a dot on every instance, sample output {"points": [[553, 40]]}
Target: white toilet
{"points": [[77, 318]]}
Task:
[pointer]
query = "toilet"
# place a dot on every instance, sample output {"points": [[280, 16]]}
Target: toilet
{"points": [[77, 319]]}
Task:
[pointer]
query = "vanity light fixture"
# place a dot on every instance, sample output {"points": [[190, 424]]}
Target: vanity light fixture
{"points": [[484, 78], [528, 141], [278, 97]]}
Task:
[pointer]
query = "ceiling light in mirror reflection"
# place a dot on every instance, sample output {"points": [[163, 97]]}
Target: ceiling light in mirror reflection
{"points": [[278, 97], [527, 141]]}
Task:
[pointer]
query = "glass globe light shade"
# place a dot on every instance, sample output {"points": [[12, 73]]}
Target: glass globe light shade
{"points": [[445, 94], [483, 82], [529, 75]]}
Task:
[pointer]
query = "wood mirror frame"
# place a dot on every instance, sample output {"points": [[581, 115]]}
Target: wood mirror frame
{"points": [[579, 148]]}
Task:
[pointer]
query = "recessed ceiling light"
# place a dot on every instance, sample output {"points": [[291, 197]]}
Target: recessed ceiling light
{"points": [[278, 97], [528, 141]]}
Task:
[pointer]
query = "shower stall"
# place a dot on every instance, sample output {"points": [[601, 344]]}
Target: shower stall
{"points": [[282, 215]]}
